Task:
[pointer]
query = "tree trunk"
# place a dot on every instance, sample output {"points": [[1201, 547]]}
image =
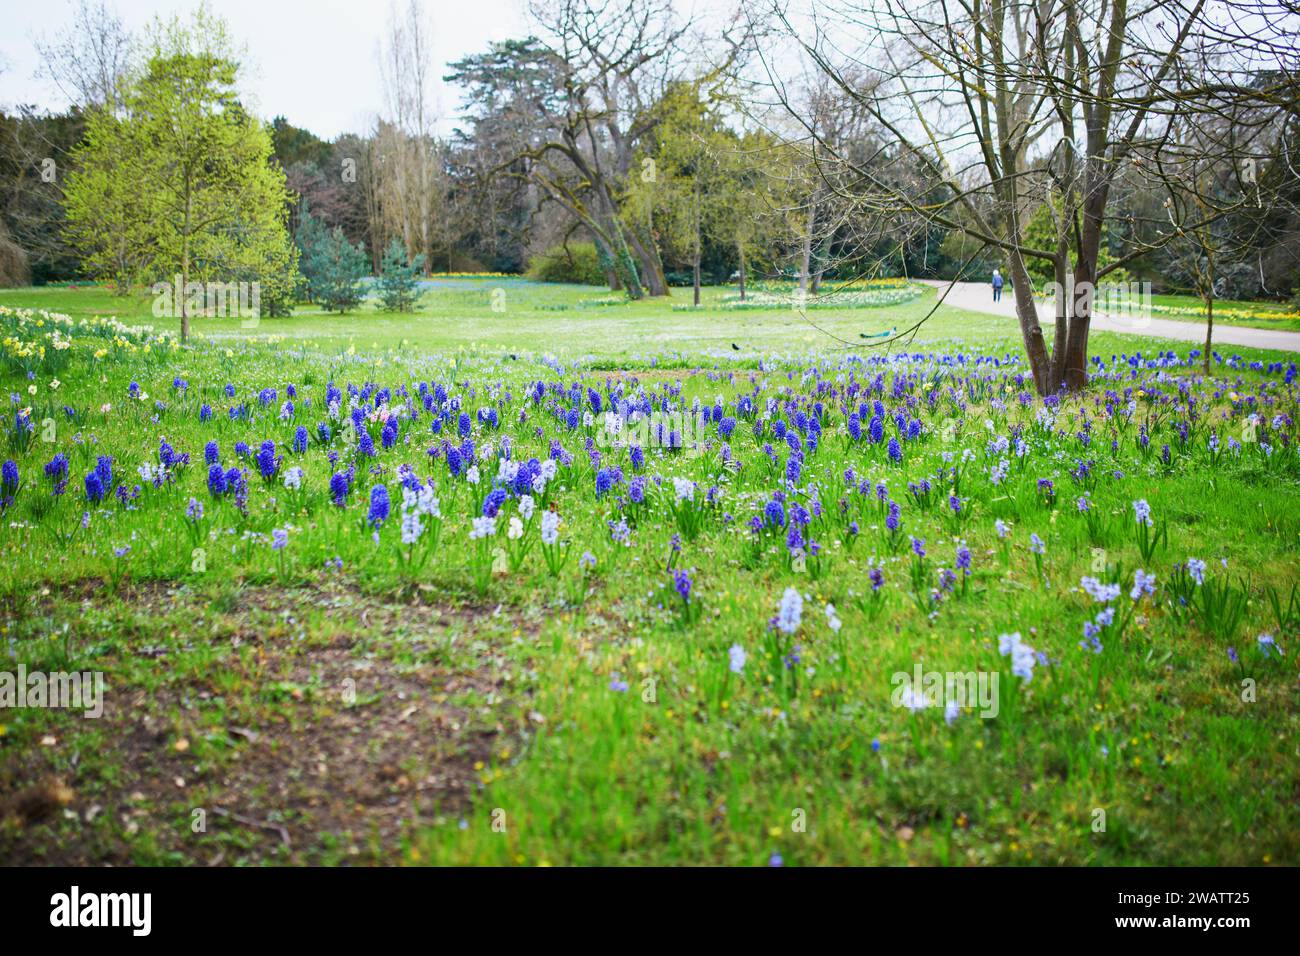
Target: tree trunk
{"points": [[629, 252], [185, 273], [805, 263], [740, 249], [1076, 341], [1209, 304], [1030, 331], [1209, 329], [608, 265], [652, 270], [625, 267], [1095, 191], [185, 297], [1062, 308], [695, 264]]}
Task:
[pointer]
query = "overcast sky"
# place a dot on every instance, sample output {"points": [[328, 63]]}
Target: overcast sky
{"points": [[311, 60]]}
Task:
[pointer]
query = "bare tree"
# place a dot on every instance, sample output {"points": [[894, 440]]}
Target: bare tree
{"points": [[1219, 204], [615, 61], [89, 59], [1012, 103], [411, 186]]}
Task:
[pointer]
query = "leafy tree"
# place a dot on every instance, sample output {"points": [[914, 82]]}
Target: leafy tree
{"points": [[682, 191], [745, 211], [181, 183], [293, 144], [106, 220], [399, 283]]}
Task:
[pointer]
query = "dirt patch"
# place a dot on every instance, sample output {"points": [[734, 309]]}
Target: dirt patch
{"points": [[327, 725]]}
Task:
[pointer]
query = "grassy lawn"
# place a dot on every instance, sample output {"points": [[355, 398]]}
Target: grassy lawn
{"points": [[1256, 315], [699, 663], [504, 315], [587, 322]]}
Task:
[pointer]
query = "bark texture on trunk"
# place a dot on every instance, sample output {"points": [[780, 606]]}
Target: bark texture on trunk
{"points": [[1030, 329], [1209, 331], [652, 271], [740, 251]]}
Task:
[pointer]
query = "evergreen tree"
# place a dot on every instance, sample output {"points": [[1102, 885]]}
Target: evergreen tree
{"points": [[398, 288], [310, 238], [332, 266]]}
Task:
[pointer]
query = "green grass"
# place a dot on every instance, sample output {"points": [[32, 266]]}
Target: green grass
{"points": [[1255, 315], [570, 321], [519, 315], [415, 706]]}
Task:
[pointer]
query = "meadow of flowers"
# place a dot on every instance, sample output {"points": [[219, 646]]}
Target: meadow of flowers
{"points": [[665, 605], [857, 294]]}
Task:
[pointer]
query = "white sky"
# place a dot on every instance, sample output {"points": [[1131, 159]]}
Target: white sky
{"points": [[313, 61]]}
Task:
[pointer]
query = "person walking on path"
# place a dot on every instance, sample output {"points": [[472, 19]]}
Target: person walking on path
{"points": [[997, 286]]}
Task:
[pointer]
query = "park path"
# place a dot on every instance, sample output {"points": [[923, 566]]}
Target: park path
{"points": [[978, 297]]}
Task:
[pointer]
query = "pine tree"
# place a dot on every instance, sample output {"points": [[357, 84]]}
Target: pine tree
{"points": [[398, 286], [332, 266], [310, 238]]}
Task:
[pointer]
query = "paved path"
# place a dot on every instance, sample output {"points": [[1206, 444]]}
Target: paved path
{"points": [[978, 297]]}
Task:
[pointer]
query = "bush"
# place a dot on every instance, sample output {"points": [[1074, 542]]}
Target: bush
{"points": [[577, 263], [686, 278]]}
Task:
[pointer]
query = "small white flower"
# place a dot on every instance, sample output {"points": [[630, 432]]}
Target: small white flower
{"points": [[914, 700], [427, 504], [1021, 654], [790, 612]]}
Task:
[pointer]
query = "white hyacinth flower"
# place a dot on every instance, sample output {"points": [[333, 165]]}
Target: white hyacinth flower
{"points": [[550, 527]]}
